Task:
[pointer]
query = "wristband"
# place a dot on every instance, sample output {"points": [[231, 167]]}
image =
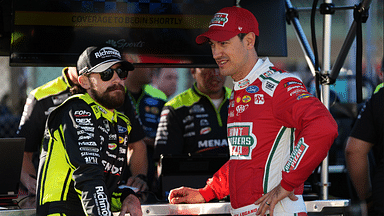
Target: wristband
{"points": [[126, 191]]}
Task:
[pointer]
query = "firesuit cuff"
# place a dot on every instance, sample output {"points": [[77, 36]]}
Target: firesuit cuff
{"points": [[118, 197], [286, 186], [126, 192], [207, 193]]}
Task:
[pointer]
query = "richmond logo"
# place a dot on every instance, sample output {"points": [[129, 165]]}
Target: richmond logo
{"points": [[107, 52], [241, 140]]}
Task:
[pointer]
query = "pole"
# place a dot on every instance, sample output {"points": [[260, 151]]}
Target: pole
{"points": [[308, 54], [326, 91], [347, 44]]}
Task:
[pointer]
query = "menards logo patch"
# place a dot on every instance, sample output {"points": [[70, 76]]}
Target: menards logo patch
{"points": [[296, 156], [241, 140]]}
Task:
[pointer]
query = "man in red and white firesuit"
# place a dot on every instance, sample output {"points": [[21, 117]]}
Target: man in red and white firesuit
{"points": [[278, 133]]}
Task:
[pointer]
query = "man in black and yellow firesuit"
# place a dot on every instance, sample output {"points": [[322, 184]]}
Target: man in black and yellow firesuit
{"points": [[39, 104], [85, 143]]}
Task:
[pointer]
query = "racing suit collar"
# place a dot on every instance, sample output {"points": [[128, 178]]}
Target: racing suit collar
{"points": [[64, 73], [99, 109], [262, 65], [195, 89]]}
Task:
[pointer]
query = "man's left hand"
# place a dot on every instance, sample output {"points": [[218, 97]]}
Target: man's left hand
{"points": [[269, 200], [131, 204]]}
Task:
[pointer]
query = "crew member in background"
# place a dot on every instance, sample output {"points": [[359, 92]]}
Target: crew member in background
{"points": [[366, 137], [195, 120], [165, 79], [278, 133], [148, 102], [86, 141]]}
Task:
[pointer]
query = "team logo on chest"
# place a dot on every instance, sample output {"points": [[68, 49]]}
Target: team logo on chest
{"points": [[241, 140]]}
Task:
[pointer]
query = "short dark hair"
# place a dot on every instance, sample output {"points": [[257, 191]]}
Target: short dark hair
{"points": [[242, 35], [77, 89]]}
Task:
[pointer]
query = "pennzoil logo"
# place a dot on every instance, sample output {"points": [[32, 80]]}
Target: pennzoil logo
{"points": [[219, 19], [296, 155], [246, 99]]}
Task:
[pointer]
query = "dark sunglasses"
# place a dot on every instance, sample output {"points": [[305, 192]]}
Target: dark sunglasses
{"points": [[108, 74]]}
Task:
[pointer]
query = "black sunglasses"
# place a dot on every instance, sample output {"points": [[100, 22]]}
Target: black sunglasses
{"points": [[108, 74]]}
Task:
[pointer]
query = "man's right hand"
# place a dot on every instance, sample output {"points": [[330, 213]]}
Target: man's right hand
{"points": [[28, 173], [185, 195]]}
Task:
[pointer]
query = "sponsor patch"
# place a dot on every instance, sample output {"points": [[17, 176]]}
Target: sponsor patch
{"points": [[238, 99], [204, 122], [122, 129], [241, 140], [292, 83], [151, 101], [219, 19], [84, 121], [187, 119], [304, 95], [259, 99], [82, 113], [155, 110], [252, 89], [294, 87], [243, 83], [246, 99], [212, 143], [90, 160], [267, 74], [112, 146], [269, 85], [205, 130], [231, 114], [197, 109], [241, 108], [296, 155]]}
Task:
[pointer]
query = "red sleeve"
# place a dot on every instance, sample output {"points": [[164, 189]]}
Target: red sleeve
{"points": [[217, 186], [315, 131]]}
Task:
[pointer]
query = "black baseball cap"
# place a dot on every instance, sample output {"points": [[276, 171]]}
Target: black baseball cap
{"points": [[96, 59]]}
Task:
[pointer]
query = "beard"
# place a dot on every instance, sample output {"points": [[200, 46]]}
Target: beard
{"points": [[108, 100]]}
